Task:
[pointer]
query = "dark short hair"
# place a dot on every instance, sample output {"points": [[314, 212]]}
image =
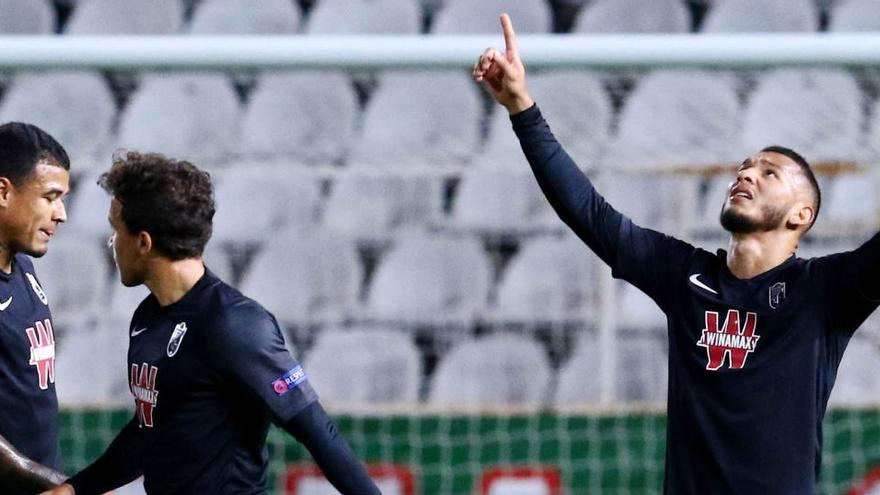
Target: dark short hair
{"points": [[807, 171], [22, 146], [171, 200]]}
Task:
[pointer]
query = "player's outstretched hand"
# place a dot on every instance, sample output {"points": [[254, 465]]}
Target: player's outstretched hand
{"points": [[63, 489], [503, 73]]}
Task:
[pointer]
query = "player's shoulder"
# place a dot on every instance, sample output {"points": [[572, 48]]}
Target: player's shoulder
{"points": [[706, 262], [229, 308]]}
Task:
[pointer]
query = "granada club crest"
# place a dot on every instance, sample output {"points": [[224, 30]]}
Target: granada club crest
{"points": [[37, 289], [733, 341], [176, 338]]}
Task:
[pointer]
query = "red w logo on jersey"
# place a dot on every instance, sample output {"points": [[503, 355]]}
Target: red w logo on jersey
{"points": [[732, 340], [42, 340], [143, 387]]}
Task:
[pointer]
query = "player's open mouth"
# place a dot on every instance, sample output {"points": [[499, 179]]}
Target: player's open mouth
{"points": [[47, 233], [741, 193]]}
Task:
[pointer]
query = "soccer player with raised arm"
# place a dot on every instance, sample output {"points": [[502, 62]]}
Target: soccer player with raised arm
{"points": [[207, 366], [755, 333], [34, 178]]}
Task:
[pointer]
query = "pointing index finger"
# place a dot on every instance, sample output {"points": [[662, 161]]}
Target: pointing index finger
{"points": [[509, 35]]}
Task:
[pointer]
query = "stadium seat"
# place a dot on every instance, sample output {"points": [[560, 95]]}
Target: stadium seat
{"points": [[357, 366], [89, 207], [305, 117], [665, 202], [430, 280], [642, 367], [245, 17], [124, 300], [26, 17], [126, 17], [255, 205], [499, 201], [759, 16], [493, 371], [638, 313], [75, 107], [851, 206], [74, 275], [873, 138], [91, 365], [816, 112], [716, 194], [858, 378], [190, 117], [374, 207], [675, 119], [640, 373], [420, 118], [633, 16], [575, 106], [549, 280], [578, 381], [855, 16], [219, 262], [305, 278], [470, 17], [365, 17]]}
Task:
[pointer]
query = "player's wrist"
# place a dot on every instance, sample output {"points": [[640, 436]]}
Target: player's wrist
{"points": [[519, 103]]}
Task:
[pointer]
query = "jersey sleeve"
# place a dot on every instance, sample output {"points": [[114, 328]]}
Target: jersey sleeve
{"points": [[118, 465], [851, 285], [249, 349], [643, 257]]}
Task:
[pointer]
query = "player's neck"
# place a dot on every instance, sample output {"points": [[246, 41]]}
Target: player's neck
{"points": [[749, 255], [170, 280], [6, 256]]}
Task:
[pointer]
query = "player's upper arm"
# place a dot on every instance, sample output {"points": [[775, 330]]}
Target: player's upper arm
{"points": [[848, 299], [650, 260], [248, 347]]}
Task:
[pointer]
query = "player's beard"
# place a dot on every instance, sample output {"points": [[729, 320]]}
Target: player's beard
{"points": [[737, 223]]}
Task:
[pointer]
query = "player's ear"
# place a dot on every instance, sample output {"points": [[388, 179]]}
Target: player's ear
{"points": [[6, 188], [145, 242], [802, 216]]}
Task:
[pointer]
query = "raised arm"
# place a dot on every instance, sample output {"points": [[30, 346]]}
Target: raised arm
{"points": [[852, 284], [20, 474], [638, 255]]}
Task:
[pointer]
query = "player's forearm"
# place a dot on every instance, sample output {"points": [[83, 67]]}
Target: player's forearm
{"points": [[18, 473], [566, 187], [316, 431], [117, 466]]}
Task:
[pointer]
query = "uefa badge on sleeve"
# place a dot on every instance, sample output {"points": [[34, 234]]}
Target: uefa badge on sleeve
{"points": [[289, 380]]}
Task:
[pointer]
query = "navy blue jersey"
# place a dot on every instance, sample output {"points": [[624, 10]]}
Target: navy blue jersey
{"points": [[208, 375], [751, 362], [28, 405]]}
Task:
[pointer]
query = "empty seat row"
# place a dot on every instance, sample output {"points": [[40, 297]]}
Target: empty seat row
{"points": [[449, 16], [313, 277], [433, 120]]}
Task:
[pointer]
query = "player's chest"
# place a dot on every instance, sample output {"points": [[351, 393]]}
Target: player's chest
{"points": [[165, 354], [26, 331], [720, 326]]}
